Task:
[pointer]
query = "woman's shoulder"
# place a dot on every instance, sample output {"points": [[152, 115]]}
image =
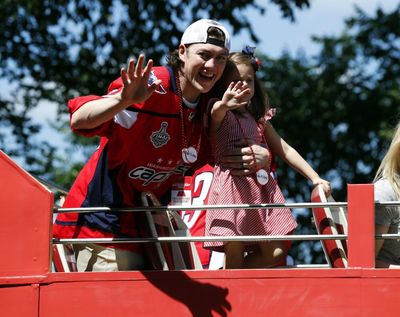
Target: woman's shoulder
{"points": [[383, 190]]}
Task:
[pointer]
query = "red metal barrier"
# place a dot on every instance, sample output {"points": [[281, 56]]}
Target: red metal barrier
{"points": [[28, 288], [25, 222]]}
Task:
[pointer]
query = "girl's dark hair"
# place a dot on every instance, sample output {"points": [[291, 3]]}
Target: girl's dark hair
{"points": [[259, 103]]}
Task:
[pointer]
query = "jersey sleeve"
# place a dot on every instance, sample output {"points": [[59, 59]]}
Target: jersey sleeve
{"points": [[115, 87], [76, 103]]}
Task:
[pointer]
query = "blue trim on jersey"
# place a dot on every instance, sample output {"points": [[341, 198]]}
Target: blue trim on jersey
{"points": [[65, 223], [102, 191]]}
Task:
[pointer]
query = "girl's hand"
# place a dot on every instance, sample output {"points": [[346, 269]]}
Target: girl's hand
{"points": [[236, 95], [135, 80], [326, 186]]}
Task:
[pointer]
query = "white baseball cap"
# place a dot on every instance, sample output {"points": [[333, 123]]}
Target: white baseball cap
{"points": [[197, 32]]}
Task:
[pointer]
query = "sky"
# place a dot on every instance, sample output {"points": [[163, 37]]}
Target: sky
{"points": [[324, 17]]}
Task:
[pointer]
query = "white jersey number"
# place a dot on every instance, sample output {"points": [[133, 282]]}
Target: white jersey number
{"points": [[201, 189]]}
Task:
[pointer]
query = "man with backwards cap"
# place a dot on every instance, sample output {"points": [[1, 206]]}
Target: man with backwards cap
{"points": [[151, 135]]}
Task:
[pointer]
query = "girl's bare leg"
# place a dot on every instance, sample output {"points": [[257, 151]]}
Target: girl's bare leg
{"points": [[234, 255], [271, 253]]}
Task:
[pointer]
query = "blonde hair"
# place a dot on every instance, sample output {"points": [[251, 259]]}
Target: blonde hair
{"points": [[390, 165]]}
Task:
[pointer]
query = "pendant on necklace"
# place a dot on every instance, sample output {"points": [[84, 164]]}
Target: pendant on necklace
{"points": [[191, 116], [189, 155], [262, 176]]}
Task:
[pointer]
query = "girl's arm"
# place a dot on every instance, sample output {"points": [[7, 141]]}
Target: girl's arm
{"points": [[218, 112], [135, 89], [233, 98], [293, 158]]}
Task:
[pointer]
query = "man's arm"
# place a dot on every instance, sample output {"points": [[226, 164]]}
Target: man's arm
{"points": [[241, 160], [135, 90]]}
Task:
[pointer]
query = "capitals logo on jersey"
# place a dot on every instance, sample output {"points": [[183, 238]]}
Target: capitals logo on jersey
{"points": [[152, 78]]}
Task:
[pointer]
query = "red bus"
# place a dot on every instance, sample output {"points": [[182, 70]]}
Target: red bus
{"points": [[29, 287]]}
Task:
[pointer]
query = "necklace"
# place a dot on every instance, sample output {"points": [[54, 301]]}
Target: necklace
{"points": [[189, 153], [191, 105]]}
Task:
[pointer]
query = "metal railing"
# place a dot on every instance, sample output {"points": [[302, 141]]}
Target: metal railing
{"points": [[200, 207], [303, 237]]}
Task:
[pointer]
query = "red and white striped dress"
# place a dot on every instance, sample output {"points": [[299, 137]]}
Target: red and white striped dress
{"points": [[230, 189]]}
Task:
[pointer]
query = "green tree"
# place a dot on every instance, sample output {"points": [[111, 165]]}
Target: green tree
{"points": [[338, 107], [55, 50]]}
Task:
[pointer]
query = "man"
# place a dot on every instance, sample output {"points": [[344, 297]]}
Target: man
{"points": [[151, 134]]}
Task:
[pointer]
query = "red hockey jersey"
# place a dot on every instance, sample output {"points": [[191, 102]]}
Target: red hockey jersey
{"points": [[140, 150]]}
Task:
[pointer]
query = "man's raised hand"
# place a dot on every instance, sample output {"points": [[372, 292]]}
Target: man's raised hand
{"points": [[135, 80]]}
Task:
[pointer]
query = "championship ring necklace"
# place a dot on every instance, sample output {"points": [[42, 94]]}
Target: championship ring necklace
{"points": [[189, 153]]}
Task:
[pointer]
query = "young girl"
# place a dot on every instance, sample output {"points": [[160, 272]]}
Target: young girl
{"points": [[243, 113]]}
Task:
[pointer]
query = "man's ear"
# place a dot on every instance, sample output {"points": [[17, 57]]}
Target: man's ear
{"points": [[182, 52]]}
